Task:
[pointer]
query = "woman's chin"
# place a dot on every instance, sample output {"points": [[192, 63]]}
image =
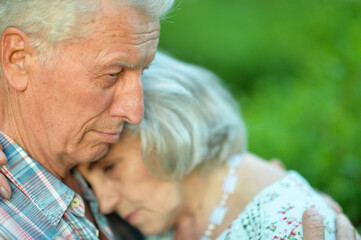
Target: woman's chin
{"points": [[149, 230]]}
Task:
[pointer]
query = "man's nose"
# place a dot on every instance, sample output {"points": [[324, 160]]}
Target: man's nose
{"points": [[128, 97]]}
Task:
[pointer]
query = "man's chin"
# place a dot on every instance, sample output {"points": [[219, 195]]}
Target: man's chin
{"points": [[91, 155]]}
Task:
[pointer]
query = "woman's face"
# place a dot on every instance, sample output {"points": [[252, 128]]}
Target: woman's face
{"points": [[122, 183]]}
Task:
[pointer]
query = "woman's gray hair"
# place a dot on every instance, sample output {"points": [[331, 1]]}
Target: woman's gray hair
{"points": [[190, 119], [53, 21]]}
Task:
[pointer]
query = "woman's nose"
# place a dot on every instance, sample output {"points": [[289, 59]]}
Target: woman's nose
{"points": [[107, 196]]}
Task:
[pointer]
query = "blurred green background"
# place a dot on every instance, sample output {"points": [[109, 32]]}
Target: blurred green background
{"points": [[295, 68]]}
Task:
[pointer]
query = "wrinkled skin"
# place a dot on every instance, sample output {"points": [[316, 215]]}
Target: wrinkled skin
{"points": [[67, 110]]}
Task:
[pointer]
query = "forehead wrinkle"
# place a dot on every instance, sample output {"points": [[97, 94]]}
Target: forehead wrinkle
{"points": [[145, 62], [144, 36], [127, 31], [131, 37]]}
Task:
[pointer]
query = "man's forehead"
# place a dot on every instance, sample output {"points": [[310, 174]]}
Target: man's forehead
{"points": [[121, 63], [125, 13], [120, 53], [124, 40]]}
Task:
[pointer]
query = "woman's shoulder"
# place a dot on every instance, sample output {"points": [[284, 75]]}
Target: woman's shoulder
{"points": [[276, 211]]}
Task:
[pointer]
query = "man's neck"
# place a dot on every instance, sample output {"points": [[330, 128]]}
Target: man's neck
{"points": [[12, 125]]}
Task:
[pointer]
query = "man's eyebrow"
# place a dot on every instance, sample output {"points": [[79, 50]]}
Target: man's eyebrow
{"points": [[125, 64]]}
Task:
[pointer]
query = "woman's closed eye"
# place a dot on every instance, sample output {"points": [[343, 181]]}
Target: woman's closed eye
{"points": [[107, 169]]}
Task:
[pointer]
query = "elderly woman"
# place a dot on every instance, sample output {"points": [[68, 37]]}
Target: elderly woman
{"points": [[186, 168]]}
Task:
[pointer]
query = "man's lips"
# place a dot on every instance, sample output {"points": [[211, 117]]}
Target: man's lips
{"points": [[108, 137]]}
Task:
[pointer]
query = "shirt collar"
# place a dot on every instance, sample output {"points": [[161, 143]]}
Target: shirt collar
{"points": [[49, 194], [89, 196]]}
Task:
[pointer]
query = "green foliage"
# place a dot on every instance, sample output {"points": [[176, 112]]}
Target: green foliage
{"points": [[295, 67]]}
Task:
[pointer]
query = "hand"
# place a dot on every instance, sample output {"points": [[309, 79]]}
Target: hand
{"points": [[313, 226], [5, 190], [314, 229], [345, 230]]}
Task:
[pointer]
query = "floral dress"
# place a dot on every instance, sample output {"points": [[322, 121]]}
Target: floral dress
{"points": [[276, 213]]}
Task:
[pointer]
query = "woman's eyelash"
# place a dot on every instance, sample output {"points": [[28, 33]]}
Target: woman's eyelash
{"points": [[108, 168]]}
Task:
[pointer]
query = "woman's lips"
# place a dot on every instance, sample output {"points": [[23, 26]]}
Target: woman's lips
{"points": [[132, 217]]}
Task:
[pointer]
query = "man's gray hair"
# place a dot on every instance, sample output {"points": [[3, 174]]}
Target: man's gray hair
{"points": [[49, 22], [190, 121]]}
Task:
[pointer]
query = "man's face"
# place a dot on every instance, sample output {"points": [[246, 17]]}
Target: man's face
{"points": [[81, 96]]}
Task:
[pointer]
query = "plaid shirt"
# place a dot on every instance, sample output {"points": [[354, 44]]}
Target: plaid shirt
{"points": [[41, 206]]}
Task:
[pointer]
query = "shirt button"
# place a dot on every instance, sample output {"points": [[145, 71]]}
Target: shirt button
{"points": [[59, 238], [97, 233], [75, 203]]}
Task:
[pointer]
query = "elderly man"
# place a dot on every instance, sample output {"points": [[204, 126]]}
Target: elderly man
{"points": [[70, 78]]}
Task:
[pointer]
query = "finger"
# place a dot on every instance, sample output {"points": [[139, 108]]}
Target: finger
{"points": [[331, 202], [3, 159], [313, 227], [5, 190], [345, 229]]}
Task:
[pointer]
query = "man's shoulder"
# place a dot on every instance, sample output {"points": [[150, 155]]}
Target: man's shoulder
{"points": [[20, 218]]}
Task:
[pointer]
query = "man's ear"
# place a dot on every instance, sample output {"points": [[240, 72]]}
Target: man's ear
{"points": [[15, 47]]}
